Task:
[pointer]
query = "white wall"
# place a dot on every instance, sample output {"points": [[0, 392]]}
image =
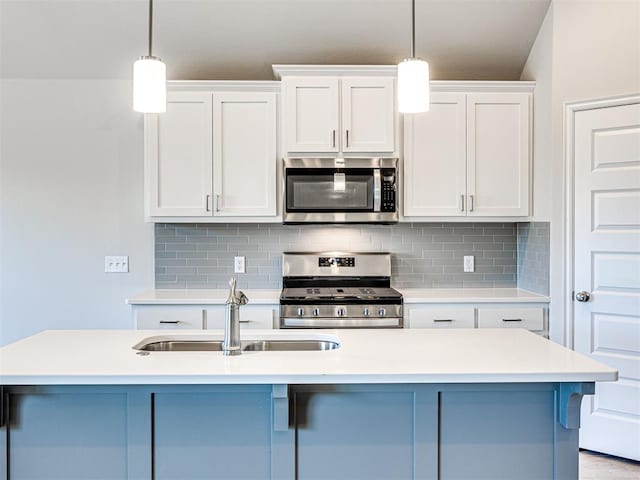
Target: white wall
{"points": [[595, 53], [71, 179]]}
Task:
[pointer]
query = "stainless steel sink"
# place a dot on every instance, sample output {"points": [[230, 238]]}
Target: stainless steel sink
{"points": [[206, 345]]}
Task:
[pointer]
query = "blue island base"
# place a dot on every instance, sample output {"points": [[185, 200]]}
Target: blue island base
{"points": [[285, 432]]}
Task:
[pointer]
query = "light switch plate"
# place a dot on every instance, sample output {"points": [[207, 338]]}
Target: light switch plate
{"points": [[239, 265], [469, 264], [116, 264]]}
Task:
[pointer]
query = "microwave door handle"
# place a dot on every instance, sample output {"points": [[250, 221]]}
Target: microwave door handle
{"points": [[377, 190]]}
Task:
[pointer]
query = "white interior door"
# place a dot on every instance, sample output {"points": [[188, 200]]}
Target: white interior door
{"points": [[607, 266]]}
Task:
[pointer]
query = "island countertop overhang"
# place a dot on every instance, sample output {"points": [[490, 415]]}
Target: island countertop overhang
{"points": [[106, 357]]}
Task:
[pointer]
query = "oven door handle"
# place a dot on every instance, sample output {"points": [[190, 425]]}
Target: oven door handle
{"points": [[377, 190]]}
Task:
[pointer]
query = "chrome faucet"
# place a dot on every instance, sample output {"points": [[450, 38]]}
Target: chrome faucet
{"points": [[231, 342]]}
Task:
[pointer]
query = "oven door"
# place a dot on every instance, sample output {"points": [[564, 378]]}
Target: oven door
{"points": [[329, 191]]}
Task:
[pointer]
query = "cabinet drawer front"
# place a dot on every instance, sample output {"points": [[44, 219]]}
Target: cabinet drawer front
{"points": [[441, 317], [169, 317], [531, 318], [250, 317]]}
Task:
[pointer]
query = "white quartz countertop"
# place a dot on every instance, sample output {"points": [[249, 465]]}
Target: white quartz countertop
{"points": [[201, 297], [98, 357], [271, 297], [470, 295]]}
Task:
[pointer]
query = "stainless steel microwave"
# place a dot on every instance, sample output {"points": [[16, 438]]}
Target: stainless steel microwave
{"points": [[340, 190]]}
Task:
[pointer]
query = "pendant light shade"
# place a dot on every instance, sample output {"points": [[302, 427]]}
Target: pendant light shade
{"points": [[150, 79], [413, 86], [149, 85], [413, 77]]}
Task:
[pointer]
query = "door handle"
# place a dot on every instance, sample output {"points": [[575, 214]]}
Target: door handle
{"points": [[334, 138], [471, 203], [217, 203], [207, 203], [462, 203], [583, 296], [347, 138]]}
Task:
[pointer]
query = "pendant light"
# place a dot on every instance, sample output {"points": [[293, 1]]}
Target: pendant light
{"points": [[150, 79], [413, 77]]}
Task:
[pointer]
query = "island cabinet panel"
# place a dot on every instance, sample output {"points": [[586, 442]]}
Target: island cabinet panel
{"points": [[370, 432], [216, 435], [506, 435], [71, 436]]}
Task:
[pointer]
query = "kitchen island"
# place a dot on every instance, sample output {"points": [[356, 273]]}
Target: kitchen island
{"points": [[386, 404]]}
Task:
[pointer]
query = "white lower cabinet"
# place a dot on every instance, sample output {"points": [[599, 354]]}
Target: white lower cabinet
{"points": [[201, 317], [251, 317], [532, 317], [170, 317], [441, 317]]}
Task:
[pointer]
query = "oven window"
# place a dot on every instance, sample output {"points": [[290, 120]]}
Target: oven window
{"points": [[324, 192]]}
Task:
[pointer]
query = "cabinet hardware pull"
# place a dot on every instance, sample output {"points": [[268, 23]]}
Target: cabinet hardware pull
{"points": [[207, 203], [245, 321], [173, 322], [334, 138], [462, 203], [217, 202], [511, 319], [347, 138], [443, 319], [471, 203]]}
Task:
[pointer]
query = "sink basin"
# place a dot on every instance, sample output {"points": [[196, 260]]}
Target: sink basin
{"points": [[177, 344]]}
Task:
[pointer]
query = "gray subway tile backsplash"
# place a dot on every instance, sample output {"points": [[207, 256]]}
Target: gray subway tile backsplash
{"points": [[427, 255]]}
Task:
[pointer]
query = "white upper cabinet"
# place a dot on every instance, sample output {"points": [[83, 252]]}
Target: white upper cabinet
{"points": [[469, 156], [311, 108], [244, 154], [339, 114], [213, 155], [178, 153], [368, 113], [435, 165], [498, 151]]}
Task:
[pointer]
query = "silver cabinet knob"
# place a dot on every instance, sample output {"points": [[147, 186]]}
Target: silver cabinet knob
{"points": [[341, 312], [300, 312], [365, 312], [583, 296], [315, 312], [382, 312]]}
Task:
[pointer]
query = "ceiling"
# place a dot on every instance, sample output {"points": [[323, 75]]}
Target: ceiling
{"points": [[241, 39]]}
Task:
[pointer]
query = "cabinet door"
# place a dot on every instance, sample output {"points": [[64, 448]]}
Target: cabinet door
{"points": [[311, 114], [498, 150], [368, 114], [179, 156], [244, 154], [435, 158]]}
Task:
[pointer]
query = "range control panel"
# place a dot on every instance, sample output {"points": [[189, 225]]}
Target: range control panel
{"points": [[337, 262]]}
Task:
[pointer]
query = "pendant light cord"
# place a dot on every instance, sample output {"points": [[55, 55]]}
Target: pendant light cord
{"points": [[413, 29], [150, 25]]}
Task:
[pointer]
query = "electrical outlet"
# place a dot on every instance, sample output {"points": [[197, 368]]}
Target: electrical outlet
{"points": [[116, 264], [239, 265], [469, 264]]}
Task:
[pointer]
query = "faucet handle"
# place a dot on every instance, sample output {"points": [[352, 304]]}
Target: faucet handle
{"points": [[236, 297]]}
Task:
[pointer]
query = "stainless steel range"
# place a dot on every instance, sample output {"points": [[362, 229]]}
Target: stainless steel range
{"points": [[339, 290]]}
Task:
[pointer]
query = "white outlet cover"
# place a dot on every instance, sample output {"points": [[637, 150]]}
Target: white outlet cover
{"points": [[116, 264], [239, 265], [469, 264]]}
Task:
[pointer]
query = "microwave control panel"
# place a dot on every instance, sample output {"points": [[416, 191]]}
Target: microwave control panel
{"points": [[388, 191]]}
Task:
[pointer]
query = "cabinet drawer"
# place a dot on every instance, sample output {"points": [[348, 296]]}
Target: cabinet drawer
{"points": [[168, 317], [531, 318], [441, 317], [250, 317]]}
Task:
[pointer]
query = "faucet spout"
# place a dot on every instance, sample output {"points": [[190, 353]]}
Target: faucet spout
{"points": [[231, 343]]}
